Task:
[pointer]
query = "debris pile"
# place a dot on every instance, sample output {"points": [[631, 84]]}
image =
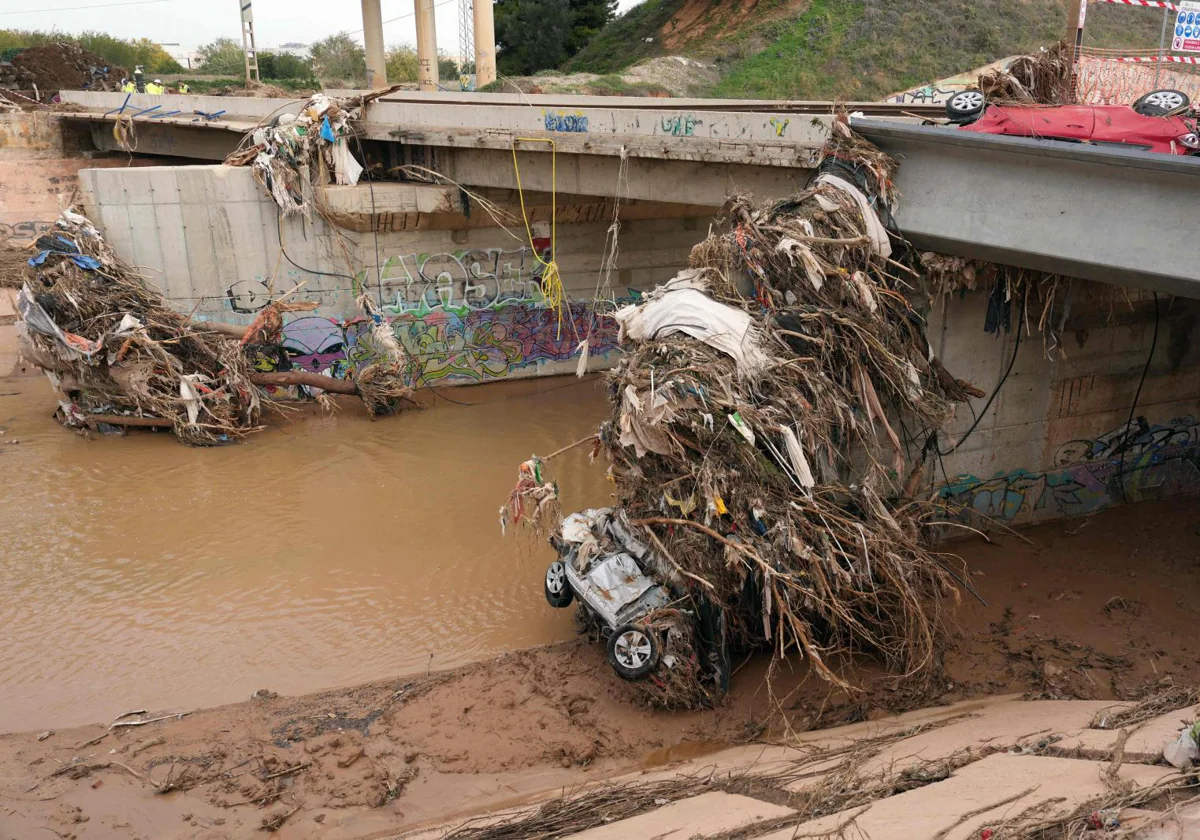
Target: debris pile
{"points": [[294, 152], [61, 66], [120, 356], [1043, 78], [756, 430]]}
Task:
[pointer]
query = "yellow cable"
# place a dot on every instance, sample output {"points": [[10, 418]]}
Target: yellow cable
{"points": [[552, 286]]}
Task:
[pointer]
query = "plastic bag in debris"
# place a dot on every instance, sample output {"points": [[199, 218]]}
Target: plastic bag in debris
{"points": [[679, 306], [1183, 752], [880, 243], [189, 394], [70, 346], [639, 420], [346, 169]]}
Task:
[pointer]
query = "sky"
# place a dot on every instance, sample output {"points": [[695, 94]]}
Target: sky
{"points": [[191, 23]]}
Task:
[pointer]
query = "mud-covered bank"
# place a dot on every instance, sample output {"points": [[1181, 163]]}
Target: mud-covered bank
{"points": [[1100, 608]]}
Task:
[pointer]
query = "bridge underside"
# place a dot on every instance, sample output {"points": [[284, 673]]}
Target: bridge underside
{"points": [[1108, 214]]}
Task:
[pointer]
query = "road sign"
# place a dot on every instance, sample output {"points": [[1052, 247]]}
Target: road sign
{"points": [[1186, 37]]}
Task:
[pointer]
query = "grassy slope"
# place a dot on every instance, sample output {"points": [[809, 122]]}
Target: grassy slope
{"points": [[866, 49]]}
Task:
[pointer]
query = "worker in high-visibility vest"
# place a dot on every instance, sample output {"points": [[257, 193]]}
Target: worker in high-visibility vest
{"points": [[156, 87], [127, 86], [184, 88]]}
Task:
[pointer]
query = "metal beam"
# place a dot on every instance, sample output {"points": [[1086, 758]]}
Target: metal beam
{"points": [[1114, 215]]}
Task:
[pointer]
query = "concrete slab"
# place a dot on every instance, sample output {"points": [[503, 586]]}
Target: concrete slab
{"points": [[700, 816], [1007, 783]]}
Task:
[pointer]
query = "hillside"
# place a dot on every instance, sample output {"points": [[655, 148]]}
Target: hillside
{"points": [[854, 49]]}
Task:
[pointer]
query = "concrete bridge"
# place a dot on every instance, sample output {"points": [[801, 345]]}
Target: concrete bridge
{"points": [[1106, 214]]}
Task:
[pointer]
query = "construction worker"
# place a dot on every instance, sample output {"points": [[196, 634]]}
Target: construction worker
{"points": [[139, 79], [156, 87], [127, 86], [184, 88]]}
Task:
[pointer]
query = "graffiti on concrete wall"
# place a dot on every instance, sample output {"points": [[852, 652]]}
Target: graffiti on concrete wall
{"points": [[480, 279], [571, 123], [28, 229], [472, 315], [680, 125], [1133, 463], [928, 95], [475, 346]]}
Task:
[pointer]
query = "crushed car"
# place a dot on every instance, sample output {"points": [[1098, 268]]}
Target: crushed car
{"points": [[651, 623], [1160, 122]]}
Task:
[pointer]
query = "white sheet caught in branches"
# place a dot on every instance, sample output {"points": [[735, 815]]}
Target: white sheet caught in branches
{"points": [[681, 307]]}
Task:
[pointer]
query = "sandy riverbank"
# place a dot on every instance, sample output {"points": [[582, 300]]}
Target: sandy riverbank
{"points": [[1100, 609]]}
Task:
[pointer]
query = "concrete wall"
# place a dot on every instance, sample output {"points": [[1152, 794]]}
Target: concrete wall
{"points": [[467, 303], [1055, 442]]}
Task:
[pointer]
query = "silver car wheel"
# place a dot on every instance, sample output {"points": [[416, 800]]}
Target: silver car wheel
{"points": [[967, 100], [1166, 99], [556, 578], [633, 649]]}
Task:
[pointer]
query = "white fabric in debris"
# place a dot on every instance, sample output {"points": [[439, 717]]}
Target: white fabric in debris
{"points": [[189, 394], [880, 243], [346, 169], [688, 310], [799, 460], [798, 250]]}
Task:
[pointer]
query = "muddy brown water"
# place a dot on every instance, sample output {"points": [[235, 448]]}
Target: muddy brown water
{"points": [[326, 551]]}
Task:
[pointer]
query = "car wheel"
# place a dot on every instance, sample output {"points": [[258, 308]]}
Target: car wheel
{"points": [[1159, 102], [558, 591], [633, 651], [965, 106]]}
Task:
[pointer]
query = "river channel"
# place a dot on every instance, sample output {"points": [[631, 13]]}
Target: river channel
{"points": [[138, 573]]}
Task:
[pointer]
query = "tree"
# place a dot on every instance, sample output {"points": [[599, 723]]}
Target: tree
{"points": [[447, 68], [339, 57], [531, 35], [401, 64], [223, 57], [283, 66], [153, 57], [588, 17], [534, 35]]}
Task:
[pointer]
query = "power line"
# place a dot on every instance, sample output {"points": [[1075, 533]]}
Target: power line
{"points": [[77, 8], [405, 15]]}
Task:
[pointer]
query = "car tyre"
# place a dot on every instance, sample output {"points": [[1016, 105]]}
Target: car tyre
{"points": [[1156, 103], [633, 651], [966, 106], [558, 590]]}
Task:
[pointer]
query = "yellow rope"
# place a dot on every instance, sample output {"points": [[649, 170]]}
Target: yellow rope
{"points": [[552, 286]]}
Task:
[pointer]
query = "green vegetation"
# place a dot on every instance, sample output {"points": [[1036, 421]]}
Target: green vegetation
{"points": [[859, 49], [533, 35], [623, 42], [116, 51], [220, 85]]}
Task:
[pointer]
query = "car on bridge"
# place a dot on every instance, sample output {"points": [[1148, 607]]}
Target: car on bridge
{"points": [[1161, 121]]}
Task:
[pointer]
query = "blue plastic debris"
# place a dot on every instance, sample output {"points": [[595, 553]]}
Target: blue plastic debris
{"points": [[327, 130]]}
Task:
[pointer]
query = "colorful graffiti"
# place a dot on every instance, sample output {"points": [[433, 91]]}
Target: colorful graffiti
{"points": [[558, 121], [464, 346], [780, 125], [1137, 462]]}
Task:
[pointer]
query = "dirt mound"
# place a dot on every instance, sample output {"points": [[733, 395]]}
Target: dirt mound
{"points": [[65, 67]]}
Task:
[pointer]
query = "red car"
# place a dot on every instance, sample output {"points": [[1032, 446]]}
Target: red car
{"points": [[1158, 122]]}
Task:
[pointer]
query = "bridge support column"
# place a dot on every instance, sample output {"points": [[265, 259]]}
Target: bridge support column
{"points": [[427, 57], [373, 39], [485, 43]]}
